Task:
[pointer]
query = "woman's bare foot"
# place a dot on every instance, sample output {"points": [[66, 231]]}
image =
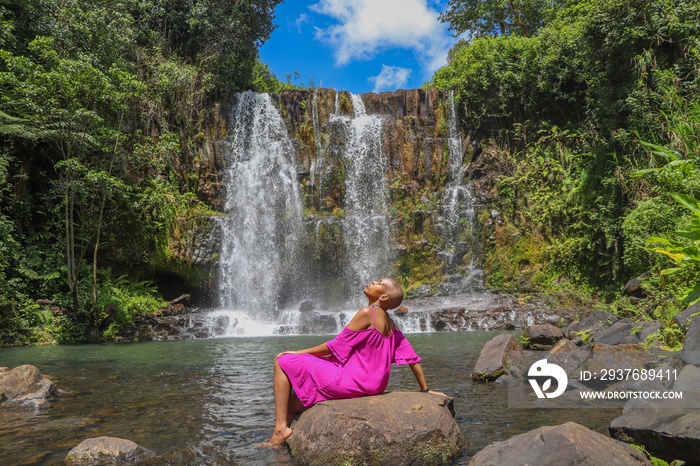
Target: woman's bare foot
{"points": [[280, 436]]}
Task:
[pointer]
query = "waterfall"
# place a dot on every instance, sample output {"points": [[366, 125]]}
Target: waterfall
{"points": [[365, 226], [457, 206], [261, 233], [281, 273]]}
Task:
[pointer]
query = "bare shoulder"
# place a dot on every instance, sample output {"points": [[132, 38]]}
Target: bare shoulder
{"points": [[362, 320]]}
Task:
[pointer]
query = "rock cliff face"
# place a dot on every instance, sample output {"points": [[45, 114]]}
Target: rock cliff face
{"points": [[431, 213]]}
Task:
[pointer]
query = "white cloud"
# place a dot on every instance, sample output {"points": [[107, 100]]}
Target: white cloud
{"points": [[390, 78], [303, 18], [367, 27]]}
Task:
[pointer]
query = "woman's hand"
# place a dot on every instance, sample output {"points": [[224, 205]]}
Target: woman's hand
{"points": [[286, 352]]}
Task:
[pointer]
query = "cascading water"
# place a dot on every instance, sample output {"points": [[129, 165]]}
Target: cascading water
{"points": [[272, 259], [260, 236], [366, 230], [457, 207]]}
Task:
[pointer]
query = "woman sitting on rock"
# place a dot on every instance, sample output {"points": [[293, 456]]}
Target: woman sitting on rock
{"points": [[355, 363]]}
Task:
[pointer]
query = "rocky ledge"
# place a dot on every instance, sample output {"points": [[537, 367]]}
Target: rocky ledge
{"points": [[397, 428]]}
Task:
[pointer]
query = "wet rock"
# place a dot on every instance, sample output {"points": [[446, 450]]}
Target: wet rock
{"points": [[606, 357], [567, 356], [545, 336], [393, 428], [505, 380], [315, 322], [688, 379], [691, 347], [23, 384], [307, 306], [401, 311], [668, 428], [422, 291], [502, 354], [683, 319], [626, 333], [589, 319], [108, 450], [569, 443]]}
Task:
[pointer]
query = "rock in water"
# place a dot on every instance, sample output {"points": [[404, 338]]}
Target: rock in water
{"points": [[569, 443], [397, 428], [25, 385], [108, 450], [499, 355]]}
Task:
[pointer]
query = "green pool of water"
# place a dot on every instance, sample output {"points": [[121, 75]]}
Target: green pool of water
{"points": [[210, 401]]}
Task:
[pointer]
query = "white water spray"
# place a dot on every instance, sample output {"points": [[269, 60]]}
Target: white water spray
{"points": [[261, 233], [365, 227]]}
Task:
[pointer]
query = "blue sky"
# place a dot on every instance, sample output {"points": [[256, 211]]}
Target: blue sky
{"points": [[359, 45]]}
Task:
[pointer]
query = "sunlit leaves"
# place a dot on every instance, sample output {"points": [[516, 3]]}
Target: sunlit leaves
{"points": [[686, 250]]}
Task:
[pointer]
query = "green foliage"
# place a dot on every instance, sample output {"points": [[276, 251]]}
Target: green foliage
{"points": [[586, 335], [103, 113], [499, 17], [128, 300], [566, 111], [264, 80], [654, 460], [684, 249]]}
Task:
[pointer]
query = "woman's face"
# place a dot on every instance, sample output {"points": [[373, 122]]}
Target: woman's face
{"points": [[376, 289]]}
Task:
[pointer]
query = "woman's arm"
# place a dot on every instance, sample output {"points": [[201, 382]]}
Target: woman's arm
{"points": [[418, 372], [319, 350]]}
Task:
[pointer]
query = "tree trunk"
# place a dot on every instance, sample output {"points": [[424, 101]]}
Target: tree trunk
{"points": [[74, 288], [522, 25]]}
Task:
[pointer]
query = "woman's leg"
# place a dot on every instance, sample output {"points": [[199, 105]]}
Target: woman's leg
{"points": [[293, 408], [283, 402]]}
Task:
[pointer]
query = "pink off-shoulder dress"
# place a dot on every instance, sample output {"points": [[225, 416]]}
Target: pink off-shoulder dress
{"points": [[359, 365]]}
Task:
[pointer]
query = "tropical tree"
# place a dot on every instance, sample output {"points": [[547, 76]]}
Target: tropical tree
{"points": [[500, 17]]}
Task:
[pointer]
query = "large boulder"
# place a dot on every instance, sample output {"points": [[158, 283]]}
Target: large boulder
{"points": [[683, 319], [108, 450], [668, 428], [569, 443], [25, 385], [594, 320], [621, 333], [691, 347], [501, 354], [542, 336], [605, 358], [567, 356], [397, 428]]}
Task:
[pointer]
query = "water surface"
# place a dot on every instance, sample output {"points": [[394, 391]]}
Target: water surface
{"points": [[210, 401]]}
